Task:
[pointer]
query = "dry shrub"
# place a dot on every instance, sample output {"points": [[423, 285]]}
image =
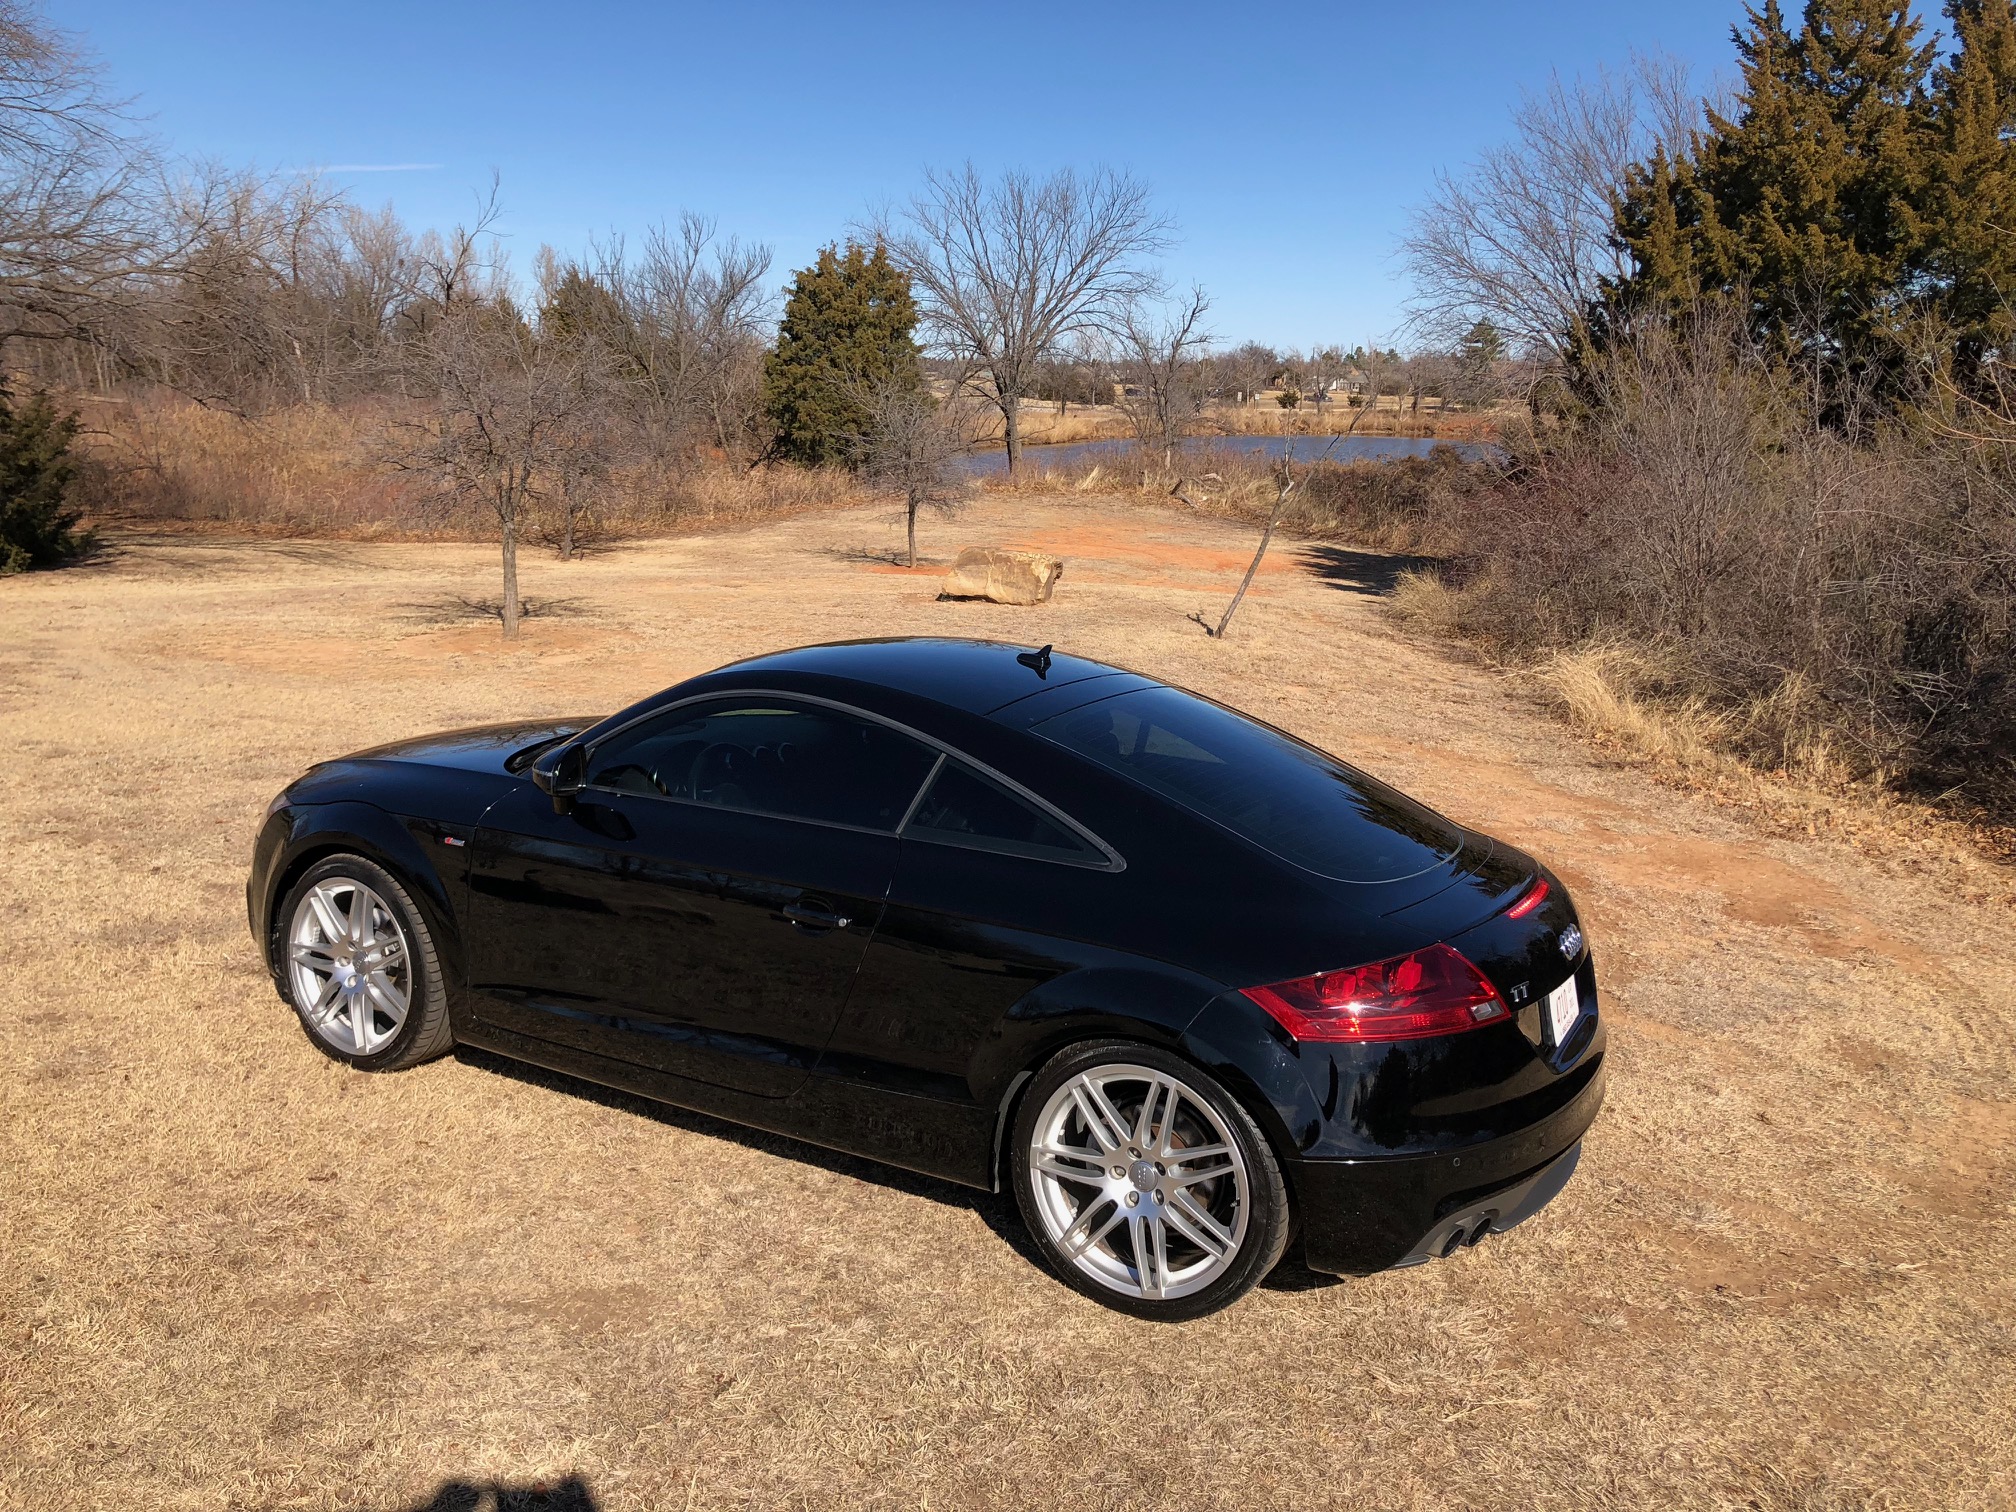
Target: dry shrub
{"points": [[1407, 504], [1404, 504], [303, 470], [323, 470], [729, 494], [1839, 606], [1414, 504]]}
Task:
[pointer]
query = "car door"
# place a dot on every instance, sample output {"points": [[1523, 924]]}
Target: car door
{"points": [[702, 907], [994, 894]]}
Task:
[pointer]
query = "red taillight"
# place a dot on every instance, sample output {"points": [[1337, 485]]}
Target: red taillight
{"points": [[1432, 991], [1529, 900]]}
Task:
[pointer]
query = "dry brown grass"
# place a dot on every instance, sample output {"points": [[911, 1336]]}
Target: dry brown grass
{"points": [[1043, 426], [163, 463], [238, 1276], [1597, 688]]}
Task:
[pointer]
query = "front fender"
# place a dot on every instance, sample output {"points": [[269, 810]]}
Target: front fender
{"points": [[296, 835]]}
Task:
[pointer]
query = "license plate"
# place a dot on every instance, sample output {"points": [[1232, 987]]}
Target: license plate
{"points": [[1564, 1007]]}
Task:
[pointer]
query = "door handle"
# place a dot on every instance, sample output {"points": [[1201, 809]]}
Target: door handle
{"points": [[815, 915]]}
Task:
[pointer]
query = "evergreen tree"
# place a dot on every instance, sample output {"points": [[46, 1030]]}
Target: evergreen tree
{"points": [[846, 333], [37, 526], [1477, 357], [1808, 199], [1480, 347], [1970, 212], [579, 309]]}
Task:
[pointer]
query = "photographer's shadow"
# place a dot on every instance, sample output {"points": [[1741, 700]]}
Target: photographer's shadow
{"points": [[569, 1495]]}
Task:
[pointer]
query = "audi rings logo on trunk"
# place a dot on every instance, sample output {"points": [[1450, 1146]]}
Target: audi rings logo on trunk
{"points": [[1571, 942]]}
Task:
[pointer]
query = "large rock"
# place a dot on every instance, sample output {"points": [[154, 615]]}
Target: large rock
{"points": [[1006, 577]]}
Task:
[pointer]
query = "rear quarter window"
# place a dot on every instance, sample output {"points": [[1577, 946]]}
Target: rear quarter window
{"points": [[964, 808], [1265, 786]]}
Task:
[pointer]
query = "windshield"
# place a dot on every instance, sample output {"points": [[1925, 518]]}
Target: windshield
{"points": [[1265, 786]]}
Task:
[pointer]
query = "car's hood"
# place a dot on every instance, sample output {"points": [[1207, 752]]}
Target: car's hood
{"points": [[486, 748]]}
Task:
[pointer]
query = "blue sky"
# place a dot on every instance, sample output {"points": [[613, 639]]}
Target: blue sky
{"points": [[1288, 142]]}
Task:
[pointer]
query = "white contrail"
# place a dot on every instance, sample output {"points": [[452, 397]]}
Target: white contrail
{"points": [[376, 167]]}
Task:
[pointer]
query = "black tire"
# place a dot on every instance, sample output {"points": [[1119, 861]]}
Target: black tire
{"points": [[425, 1033], [1267, 1212]]}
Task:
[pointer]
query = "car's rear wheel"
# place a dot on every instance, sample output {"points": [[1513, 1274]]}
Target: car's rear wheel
{"points": [[1146, 1184], [360, 967]]}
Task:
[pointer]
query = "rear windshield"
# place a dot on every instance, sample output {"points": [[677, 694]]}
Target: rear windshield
{"points": [[1302, 805]]}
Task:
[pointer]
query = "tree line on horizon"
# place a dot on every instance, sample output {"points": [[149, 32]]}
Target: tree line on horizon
{"points": [[124, 270]]}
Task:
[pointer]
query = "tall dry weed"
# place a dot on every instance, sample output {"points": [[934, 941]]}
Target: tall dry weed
{"points": [[306, 469], [324, 470]]}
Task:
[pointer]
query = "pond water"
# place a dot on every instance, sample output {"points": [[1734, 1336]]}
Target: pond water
{"points": [[1301, 449]]}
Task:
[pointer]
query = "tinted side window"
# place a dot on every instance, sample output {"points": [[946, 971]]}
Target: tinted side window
{"points": [[769, 756], [1275, 791], [964, 808]]}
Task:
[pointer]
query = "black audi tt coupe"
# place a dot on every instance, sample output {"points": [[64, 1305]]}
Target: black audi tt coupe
{"points": [[1191, 987]]}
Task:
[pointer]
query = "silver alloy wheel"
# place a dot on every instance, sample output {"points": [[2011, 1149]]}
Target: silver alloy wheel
{"points": [[1139, 1182], [349, 966]]}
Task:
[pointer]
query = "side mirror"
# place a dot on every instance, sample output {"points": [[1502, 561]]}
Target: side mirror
{"points": [[559, 774]]}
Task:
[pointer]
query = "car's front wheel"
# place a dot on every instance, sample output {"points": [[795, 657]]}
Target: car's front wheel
{"points": [[1146, 1184], [360, 966]]}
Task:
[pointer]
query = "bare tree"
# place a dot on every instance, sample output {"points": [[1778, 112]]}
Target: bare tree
{"points": [[1162, 379], [259, 308], [587, 444], [504, 412], [911, 446], [1246, 370], [1523, 237], [1322, 370], [688, 318], [1006, 273], [76, 220], [1078, 374], [1380, 373]]}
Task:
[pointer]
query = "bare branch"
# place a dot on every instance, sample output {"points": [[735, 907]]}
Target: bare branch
{"points": [[1523, 237], [1157, 355]]}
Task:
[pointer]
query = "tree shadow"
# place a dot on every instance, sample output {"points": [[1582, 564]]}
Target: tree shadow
{"points": [[457, 608], [569, 1495], [880, 556], [198, 555], [1372, 573], [995, 1209]]}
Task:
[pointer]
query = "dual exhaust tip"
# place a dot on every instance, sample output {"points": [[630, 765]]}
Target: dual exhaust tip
{"points": [[1467, 1236]]}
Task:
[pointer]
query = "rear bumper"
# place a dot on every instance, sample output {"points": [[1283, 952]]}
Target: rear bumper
{"points": [[1361, 1216]]}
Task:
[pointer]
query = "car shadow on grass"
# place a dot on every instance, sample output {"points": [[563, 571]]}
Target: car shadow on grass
{"points": [[995, 1209], [1372, 573], [1291, 1275]]}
